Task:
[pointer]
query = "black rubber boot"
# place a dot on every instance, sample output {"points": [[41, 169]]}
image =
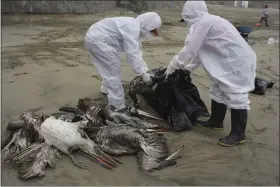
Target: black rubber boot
{"points": [[238, 126], [218, 113]]}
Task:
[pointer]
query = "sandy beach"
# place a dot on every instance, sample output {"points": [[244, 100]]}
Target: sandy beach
{"points": [[45, 65]]}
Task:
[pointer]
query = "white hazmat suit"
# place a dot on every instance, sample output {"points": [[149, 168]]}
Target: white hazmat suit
{"points": [[106, 38], [225, 55]]}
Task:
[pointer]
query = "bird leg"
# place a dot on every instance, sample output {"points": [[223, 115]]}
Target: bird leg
{"points": [[79, 164], [71, 156]]}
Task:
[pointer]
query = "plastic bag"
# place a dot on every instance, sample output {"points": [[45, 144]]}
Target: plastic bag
{"points": [[176, 99], [271, 41], [261, 85]]}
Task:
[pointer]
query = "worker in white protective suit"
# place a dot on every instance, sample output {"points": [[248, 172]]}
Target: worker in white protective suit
{"points": [[106, 38], [229, 61]]}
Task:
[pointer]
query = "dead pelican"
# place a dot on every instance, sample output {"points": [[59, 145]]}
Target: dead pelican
{"points": [[122, 118], [98, 114], [89, 110], [34, 159], [22, 134], [151, 147], [123, 134], [68, 137], [44, 139], [15, 142], [38, 140], [137, 86]]}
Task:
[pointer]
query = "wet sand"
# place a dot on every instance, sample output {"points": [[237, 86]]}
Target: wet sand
{"points": [[45, 66]]}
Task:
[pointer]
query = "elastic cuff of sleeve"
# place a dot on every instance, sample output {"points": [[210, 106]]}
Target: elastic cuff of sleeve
{"points": [[175, 65]]}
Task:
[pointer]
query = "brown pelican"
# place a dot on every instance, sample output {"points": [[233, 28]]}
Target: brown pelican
{"points": [[151, 148], [92, 111], [68, 137], [38, 140], [123, 118], [34, 159], [98, 114], [20, 134], [138, 86], [122, 134], [87, 109], [44, 137], [16, 141]]}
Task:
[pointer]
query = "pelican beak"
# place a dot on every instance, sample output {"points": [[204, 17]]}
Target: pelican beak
{"points": [[102, 160], [176, 154], [135, 111], [159, 130], [114, 160], [103, 164]]}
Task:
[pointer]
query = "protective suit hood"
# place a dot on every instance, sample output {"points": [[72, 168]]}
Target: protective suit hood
{"points": [[148, 22], [193, 11]]}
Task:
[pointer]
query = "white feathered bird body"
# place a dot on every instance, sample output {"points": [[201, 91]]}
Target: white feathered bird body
{"points": [[63, 135]]}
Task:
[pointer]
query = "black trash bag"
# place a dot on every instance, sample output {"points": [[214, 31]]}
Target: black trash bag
{"points": [[176, 99], [261, 85]]}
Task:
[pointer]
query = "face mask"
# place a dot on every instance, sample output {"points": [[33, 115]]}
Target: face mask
{"points": [[148, 36]]}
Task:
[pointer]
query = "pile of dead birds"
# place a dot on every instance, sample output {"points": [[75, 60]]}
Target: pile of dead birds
{"points": [[37, 140]]}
